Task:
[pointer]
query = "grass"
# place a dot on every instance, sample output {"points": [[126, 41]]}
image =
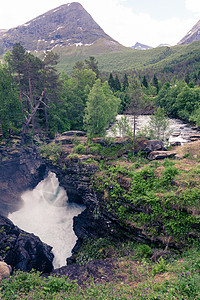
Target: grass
{"points": [[175, 278]]}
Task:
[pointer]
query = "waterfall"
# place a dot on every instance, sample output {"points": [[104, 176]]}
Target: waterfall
{"points": [[47, 213]]}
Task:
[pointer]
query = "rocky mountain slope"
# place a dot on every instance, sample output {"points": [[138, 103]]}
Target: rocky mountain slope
{"points": [[192, 36], [139, 46], [69, 24]]}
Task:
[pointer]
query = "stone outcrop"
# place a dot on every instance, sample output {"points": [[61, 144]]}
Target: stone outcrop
{"points": [[161, 154], [101, 270], [147, 146], [23, 251], [5, 270]]}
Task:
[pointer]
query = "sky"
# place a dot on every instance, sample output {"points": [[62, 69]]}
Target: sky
{"points": [[150, 22]]}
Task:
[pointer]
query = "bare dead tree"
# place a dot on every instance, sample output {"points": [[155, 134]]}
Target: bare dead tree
{"points": [[34, 109]]}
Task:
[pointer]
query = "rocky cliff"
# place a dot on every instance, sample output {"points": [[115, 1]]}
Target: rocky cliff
{"points": [[192, 36], [20, 169]]}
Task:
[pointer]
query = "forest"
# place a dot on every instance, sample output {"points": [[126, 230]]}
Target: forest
{"points": [[34, 96]]}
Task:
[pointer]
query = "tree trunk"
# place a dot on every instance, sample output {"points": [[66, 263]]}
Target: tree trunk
{"points": [[1, 131], [20, 92], [31, 97]]}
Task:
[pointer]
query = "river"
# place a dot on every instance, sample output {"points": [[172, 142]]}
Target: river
{"points": [[178, 130]]}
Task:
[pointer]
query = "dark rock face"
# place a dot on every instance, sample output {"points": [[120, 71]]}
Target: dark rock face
{"points": [[20, 169], [95, 270], [23, 251]]}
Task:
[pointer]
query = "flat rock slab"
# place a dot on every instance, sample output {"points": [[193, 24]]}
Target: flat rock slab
{"points": [[161, 154]]}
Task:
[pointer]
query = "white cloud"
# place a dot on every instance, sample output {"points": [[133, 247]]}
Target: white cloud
{"points": [[193, 6], [127, 27]]}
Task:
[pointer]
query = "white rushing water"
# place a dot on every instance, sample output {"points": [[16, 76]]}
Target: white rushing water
{"points": [[179, 131], [47, 213]]}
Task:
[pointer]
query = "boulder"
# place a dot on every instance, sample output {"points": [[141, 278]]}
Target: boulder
{"points": [[74, 133], [161, 154], [23, 251], [146, 145], [5, 270]]}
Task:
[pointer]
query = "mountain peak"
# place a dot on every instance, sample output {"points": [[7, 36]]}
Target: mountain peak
{"points": [[192, 36], [66, 25], [139, 46]]}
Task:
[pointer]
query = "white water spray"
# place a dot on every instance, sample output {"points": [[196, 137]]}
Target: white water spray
{"points": [[48, 214]]}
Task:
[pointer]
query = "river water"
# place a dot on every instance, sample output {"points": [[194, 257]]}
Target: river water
{"points": [[47, 213], [178, 130]]}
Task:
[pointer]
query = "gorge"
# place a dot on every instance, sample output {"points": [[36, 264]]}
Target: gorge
{"points": [[47, 213], [48, 208]]}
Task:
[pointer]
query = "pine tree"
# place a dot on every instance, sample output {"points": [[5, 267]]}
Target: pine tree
{"points": [[111, 82], [125, 83], [144, 82], [92, 64], [117, 84], [51, 84], [155, 82], [16, 61]]}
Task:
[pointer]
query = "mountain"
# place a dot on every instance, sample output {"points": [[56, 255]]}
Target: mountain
{"points": [[67, 25], [192, 36], [139, 46]]}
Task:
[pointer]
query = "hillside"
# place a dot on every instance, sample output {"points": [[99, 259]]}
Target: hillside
{"points": [[124, 58]]}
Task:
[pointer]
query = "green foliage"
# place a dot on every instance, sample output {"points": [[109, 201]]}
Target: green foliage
{"points": [[94, 249], [51, 152], [180, 101], [101, 109], [142, 251], [80, 149], [22, 284], [168, 174], [158, 124], [122, 127], [74, 95], [159, 267], [10, 111], [149, 201]]}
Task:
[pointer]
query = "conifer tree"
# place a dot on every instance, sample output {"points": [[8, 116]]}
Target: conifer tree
{"points": [[16, 61], [144, 82], [117, 84], [111, 82], [125, 83], [155, 82], [92, 64]]}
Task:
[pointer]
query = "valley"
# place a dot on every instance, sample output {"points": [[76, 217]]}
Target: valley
{"points": [[85, 214]]}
